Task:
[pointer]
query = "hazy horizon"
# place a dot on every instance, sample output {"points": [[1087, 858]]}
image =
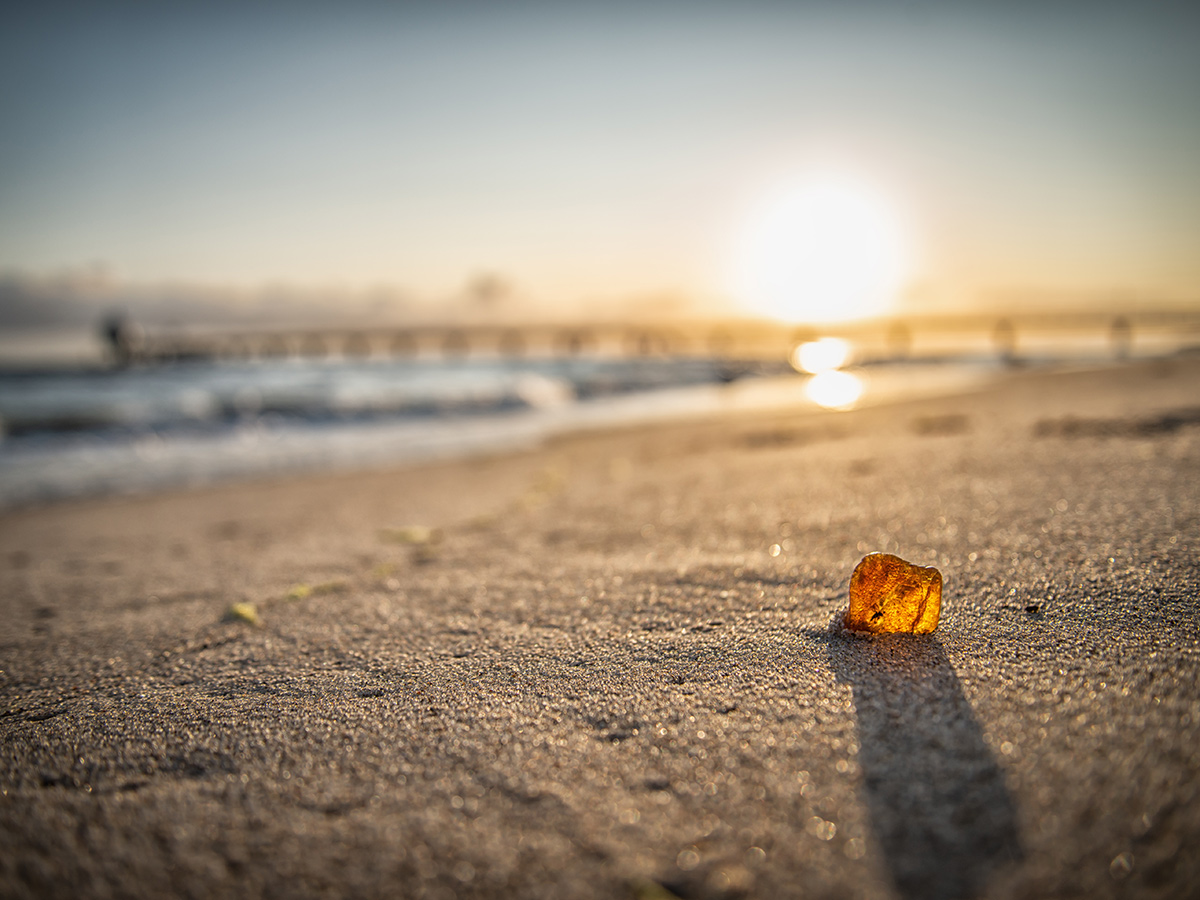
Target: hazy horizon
{"points": [[585, 155]]}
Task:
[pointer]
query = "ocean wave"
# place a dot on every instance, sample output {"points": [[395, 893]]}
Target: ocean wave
{"points": [[71, 434], [50, 406]]}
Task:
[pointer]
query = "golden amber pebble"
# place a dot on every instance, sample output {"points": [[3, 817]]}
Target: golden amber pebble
{"points": [[888, 595]]}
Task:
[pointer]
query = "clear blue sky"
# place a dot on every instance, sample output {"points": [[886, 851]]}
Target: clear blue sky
{"points": [[591, 151]]}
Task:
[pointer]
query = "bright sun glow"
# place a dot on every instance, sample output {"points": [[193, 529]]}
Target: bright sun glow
{"points": [[826, 249]]}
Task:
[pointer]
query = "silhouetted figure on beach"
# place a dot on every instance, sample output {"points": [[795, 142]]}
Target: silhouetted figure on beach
{"points": [[122, 335]]}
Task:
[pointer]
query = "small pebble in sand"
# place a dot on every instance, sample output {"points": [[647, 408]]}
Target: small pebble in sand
{"points": [[243, 612], [889, 595]]}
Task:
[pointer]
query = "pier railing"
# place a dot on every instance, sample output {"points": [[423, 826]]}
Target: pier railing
{"points": [[919, 336]]}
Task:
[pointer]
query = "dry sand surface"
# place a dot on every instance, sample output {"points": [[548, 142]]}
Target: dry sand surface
{"points": [[610, 671]]}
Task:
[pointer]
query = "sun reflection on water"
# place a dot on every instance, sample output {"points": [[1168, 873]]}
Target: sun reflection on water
{"points": [[834, 389]]}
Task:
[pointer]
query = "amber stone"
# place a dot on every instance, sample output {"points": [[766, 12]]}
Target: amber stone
{"points": [[889, 595]]}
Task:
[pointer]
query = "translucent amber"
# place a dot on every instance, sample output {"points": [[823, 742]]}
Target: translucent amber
{"points": [[888, 595]]}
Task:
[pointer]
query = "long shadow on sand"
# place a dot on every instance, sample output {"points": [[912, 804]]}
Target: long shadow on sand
{"points": [[939, 807]]}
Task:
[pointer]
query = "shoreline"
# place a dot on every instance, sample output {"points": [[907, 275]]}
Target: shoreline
{"points": [[138, 464]]}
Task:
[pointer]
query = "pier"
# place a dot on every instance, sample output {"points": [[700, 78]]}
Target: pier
{"points": [[1010, 336]]}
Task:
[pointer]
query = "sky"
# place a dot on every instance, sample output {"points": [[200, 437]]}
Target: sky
{"points": [[586, 153]]}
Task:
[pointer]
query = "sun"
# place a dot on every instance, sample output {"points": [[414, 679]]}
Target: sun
{"points": [[828, 248]]}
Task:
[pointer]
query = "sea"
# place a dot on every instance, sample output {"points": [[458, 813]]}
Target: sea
{"points": [[83, 431]]}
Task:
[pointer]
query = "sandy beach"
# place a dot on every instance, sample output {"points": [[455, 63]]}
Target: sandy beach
{"points": [[607, 667]]}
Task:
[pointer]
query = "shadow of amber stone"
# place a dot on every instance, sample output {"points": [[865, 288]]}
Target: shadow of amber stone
{"points": [[890, 595]]}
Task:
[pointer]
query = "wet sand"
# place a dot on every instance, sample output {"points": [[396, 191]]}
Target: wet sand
{"points": [[609, 671]]}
